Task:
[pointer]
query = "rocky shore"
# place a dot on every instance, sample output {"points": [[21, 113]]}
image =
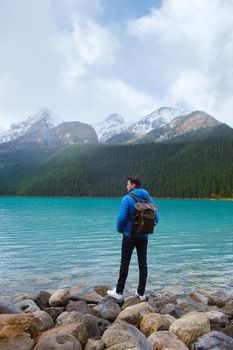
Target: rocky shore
{"points": [[84, 318]]}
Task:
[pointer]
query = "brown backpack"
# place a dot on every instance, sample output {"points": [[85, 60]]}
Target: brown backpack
{"points": [[144, 217]]}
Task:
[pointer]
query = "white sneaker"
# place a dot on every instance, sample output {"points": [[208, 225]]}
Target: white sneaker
{"points": [[141, 297], [112, 293]]}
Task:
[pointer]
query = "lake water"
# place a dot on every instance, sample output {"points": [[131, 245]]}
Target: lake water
{"points": [[47, 243]]}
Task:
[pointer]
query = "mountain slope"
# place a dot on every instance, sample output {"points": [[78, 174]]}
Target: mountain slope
{"points": [[195, 123], [110, 126], [196, 169], [43, 120]]}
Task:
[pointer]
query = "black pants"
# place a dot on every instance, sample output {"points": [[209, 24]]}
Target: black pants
{"points": [[128, 245]]}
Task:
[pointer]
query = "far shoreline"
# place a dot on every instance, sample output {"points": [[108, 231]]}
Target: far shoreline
{"points": [[89, 197]]}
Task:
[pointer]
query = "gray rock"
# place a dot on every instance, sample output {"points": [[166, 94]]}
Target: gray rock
{"points": [[42, 300], [173, 310], [219, 299], [79, 306], [94, 344], [217, 320], [213, 341], [28, 306], [54, 312], [158, 299], [8, 307], [81, 292], [122, 332], [228, 330], [23, 296], [58, 341], [130, 302], [107, 308], [95, 326], [46, 319]]}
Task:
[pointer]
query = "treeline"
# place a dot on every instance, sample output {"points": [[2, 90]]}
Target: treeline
{"points": [[196, 169]]}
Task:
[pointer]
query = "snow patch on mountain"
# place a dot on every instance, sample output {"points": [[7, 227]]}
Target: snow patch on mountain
{"points": [[42, 120], [112, 125], [155, 120]]}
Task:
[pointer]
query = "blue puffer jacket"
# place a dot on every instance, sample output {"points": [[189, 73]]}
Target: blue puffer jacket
{"points": [[127, 211]]}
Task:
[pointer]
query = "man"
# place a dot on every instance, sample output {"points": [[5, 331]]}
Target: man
{"points": [[129, 242]]}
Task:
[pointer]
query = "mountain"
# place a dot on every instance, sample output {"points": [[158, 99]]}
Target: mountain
{"points": [[44, 119], [115, 130], [109, 127], [67, 133], [155, 120], [197, 123]]}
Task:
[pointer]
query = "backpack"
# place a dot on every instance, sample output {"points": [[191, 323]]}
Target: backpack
{"points": [[144, 217]]}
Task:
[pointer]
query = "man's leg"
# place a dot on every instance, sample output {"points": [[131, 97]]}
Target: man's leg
{"points": [[126, 253], [141, 246]]}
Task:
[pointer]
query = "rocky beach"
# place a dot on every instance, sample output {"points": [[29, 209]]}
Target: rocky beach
{"points": [[85, 318]]}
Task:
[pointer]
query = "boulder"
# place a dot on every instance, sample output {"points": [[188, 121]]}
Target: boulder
{"points": [[94, 344], [213, 340], [198, 297], [121, 332], [60, 297], [22, 296], [76, 329], [42, 300], [81, 292], [133, 314], [54, 312], [154, 322], [79, 306], [58, 341], [228, 330], [219, 298], [18, 331], [8, 307], [228, 308], [191, 326], [95, 326], [217, 320], [46, 320], [102, 290], [130, 302], [188, 305], [159, 299], [20, 342], [28, 306], [173, 310], [107, 308], [166, 341]]}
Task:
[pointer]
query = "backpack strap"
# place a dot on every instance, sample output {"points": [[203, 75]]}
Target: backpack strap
{"points": [[134, 197], [138, 199]]}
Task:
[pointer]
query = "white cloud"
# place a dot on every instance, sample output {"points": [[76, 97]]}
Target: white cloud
{"points": [[60, 54], [194, 42]]}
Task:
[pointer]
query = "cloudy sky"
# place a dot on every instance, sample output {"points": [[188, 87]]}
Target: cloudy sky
{"points": [[85, 59]]}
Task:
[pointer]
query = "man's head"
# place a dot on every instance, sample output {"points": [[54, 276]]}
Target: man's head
{"points": [[133, 182]]}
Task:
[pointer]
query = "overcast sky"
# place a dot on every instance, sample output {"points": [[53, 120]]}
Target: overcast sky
{"points": [[85, 59]]}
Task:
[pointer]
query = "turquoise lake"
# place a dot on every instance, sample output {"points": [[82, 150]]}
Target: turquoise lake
{"points": [[47, 243]]}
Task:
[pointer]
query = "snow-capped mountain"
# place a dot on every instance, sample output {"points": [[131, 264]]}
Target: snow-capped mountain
{"points": [[197, 123], [112, 125], [155, 120], [44, 119]]}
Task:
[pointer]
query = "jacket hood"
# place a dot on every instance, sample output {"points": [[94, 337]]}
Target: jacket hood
{"points": [[141, 193]]}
